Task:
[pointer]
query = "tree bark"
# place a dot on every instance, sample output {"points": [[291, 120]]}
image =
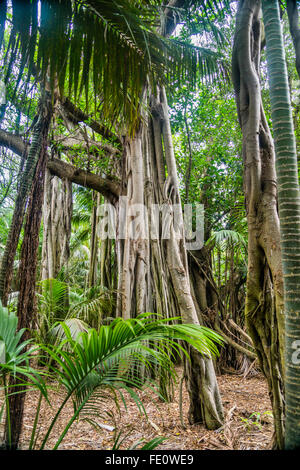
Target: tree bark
{"points": [[154, 273], [6, 271], [205, 401], [27, 271], [289, 212], [92, 274], [264, 300], [110, 188], [293, 16], [135, 253], [57, 213]]}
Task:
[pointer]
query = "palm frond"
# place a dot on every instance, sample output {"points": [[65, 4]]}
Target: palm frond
{"points": [[97, 362], [88, 308], [16, 354], [150, 445], [75, 326], [79, 238], [110, 46], [224, 238], [53, 294]]}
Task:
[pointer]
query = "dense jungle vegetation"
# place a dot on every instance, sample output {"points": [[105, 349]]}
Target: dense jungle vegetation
{"points": [[149, 224]]}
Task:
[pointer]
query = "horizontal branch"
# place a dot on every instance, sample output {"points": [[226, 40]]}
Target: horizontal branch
{"points": [[109, 188], [13, 142], [66, 143], [234, 344], [77, 115]]}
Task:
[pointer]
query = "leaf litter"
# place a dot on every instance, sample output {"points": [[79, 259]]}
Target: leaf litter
{"points": [[248, 420]]}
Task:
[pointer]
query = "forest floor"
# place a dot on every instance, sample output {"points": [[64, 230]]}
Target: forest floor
{"points": [[248, 423]]}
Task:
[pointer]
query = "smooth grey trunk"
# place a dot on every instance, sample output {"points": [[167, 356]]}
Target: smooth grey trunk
{"points": [[264, 301], [289, 210], [94, 241], [169, 266], [134, 256], [57, 214]]}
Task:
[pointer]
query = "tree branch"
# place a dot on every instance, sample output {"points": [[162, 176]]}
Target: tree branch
{"points": [[109, 188], [76, 115], [172, 16]]}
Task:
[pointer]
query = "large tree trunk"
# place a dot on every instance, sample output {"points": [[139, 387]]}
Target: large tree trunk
{"points": [[25, 185], [133, 236], [289, 211], [94, 241], [264, 302], [154, 274], [205, 401], [57, 214], [27, 271]]}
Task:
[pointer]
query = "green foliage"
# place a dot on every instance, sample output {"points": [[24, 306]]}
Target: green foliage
{"points": [[51, 308], [15, 356], [229, 238], [92, 308], [208, 117], [255, 420], [15, 352], [79, 309], [98, 362], [94, 367], [112, 48], [5, 221], [150, 445], [75, 327]]}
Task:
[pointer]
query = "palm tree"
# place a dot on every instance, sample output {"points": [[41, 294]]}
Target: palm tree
{"points": [[264, 290], [112, 52], [289, 212], [37, 149], [93, 367], [111, 48]]}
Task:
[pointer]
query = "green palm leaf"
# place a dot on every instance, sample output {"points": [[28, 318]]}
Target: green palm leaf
{"points": [[75, 325], [109, 46], [227, 237], [16, 354], [98, 362]]}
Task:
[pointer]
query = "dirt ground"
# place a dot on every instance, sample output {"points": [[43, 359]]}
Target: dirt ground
{"points": [[248, 423]]}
